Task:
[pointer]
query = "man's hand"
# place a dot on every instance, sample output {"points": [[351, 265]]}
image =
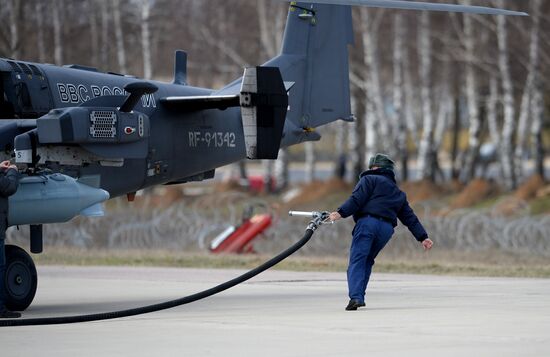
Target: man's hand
{"points": [[427, 244], [4, 165], [334, 216]]}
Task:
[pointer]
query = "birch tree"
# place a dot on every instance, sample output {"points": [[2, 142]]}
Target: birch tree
{"points": [[40, 42], [492, 102], [536, 129], [105, 40], [57, 40], [270, 22], [506, 150], [409, 97], [471, 99], [14, 9], [445, 110], [399, 120], [340, 149], [94, 32], [425, 156], [309, 149], [119, 34], [537, 104], [356, 136], [145, 10], [376, 124], [528, 91]]}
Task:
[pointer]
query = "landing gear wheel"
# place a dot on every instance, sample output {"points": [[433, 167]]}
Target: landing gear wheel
{"points": [[21, 279]]}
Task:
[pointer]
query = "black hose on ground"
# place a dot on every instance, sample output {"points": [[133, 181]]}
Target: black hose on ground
{"points": [[168, 304]]}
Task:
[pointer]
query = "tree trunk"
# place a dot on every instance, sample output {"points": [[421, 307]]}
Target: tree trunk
{"points": [[268, 25], [14, 7], [268, 175], [536, 130], [455, 171], [526, 100], [425, 157], [341, 157], [281, 170], [376, 123], [410, 101], [472, 99], [446, 108], [39, 8], [268, 45], [94, 33], [57, 40], [310, 161], [508, 102], [146, 38], [105, 40], [492, 101], [121, 52], [356, 136], [494, 131], [399, 120]]}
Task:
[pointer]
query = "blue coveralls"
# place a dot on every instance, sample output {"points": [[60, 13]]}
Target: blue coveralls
{"points": [[376, 203], [8, 185]]}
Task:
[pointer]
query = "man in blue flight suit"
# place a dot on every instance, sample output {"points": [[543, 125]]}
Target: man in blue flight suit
{"points": [[376, 203], [9, 179]]}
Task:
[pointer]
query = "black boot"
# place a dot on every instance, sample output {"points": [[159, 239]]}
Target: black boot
{"points": [[7, 314], [354, 304]]}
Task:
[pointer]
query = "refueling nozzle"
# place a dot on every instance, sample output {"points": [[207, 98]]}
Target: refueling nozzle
{"points": [[319, 218]]}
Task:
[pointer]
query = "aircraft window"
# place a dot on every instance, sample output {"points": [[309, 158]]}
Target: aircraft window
{"points": [[35, 70], [26, 68], [15, 67]]}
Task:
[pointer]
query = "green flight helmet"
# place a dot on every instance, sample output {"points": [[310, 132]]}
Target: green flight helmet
{"points": [[382, 161]]}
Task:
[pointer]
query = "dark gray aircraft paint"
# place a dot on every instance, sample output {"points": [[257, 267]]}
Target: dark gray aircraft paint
{"points": [[85, 136]]}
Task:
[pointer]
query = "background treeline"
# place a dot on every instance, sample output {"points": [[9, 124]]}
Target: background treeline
{"points": [[448, 95]]}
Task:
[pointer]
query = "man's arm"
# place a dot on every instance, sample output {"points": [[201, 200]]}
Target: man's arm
{"points": [[408, 218], [9, 182], [356, 200]]}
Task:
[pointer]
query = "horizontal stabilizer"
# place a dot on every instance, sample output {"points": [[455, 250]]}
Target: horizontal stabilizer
{"points": [[195, 103], [264, 104], [413, 5]]}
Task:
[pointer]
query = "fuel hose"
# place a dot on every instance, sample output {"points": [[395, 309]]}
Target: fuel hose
{"points": [[318, 219]]}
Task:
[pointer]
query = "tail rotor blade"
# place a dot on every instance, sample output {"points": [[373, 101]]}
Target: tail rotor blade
{"points": [[426, 6]]}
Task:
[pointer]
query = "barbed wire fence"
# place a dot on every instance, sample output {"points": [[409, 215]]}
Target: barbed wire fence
{"points": [[191, 226]]}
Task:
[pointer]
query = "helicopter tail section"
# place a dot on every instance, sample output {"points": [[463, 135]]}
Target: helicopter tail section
{"points": [[315, 57]]}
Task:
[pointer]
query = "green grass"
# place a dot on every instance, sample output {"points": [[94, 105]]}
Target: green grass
{"points": [[441, 264], [540, 205]]}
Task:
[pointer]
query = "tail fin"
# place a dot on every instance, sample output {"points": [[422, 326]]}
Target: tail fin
{"points": [[315, 57]]}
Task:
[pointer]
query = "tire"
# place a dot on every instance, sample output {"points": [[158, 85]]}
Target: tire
{"points": [[21, 279]]}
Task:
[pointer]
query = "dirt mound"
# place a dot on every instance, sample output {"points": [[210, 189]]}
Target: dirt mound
{"points": [[475, 192], [543, 192], [421, 190], [529, 188], [510, 206]]}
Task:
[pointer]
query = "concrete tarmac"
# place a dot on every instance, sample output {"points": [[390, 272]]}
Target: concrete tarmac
{"points": [[284, 314]]}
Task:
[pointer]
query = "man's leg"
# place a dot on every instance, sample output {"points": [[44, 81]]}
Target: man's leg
{"points": [[363, 237], [384, 232]]}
